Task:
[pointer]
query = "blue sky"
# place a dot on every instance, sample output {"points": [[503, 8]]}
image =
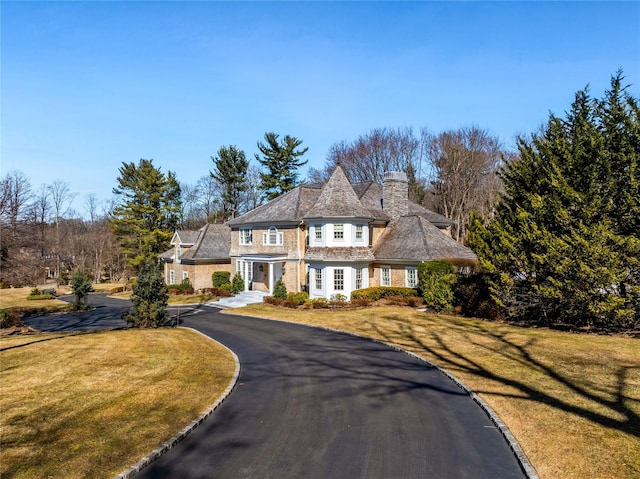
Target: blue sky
{"points": [[89, 85]]}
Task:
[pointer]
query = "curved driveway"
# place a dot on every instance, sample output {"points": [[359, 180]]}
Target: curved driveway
{"points": [[311, 403]]}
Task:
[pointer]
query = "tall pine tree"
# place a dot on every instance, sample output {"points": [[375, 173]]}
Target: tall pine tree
{"points": [[281, 162], [147, 210], [564, 246], [230, 171]]}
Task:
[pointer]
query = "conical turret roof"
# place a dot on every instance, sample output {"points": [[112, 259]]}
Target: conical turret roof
{"points": [[338, 200]]}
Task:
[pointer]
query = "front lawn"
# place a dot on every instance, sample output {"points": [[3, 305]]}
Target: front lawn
{"points": [[571, 400], [90, 405]]}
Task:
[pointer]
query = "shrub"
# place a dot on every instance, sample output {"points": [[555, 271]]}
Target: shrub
{"points": [[411, 301], [436, 279], [35, 294], [273, 300], [183, 288], [319, 303], [280, 290], [4, 284], [289, 303], [298, 298], [380, 292], [9, 319], [360, 303], [221, 292], [474, 298], [220, 278], [36, 297], [237, 285]]}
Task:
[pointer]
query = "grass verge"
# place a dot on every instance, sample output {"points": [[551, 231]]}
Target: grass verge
{"points": [[90, 405], [571, 400]]}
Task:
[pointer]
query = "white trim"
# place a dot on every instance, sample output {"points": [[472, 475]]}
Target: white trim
{"points": [[382, 278], [407, 269]]}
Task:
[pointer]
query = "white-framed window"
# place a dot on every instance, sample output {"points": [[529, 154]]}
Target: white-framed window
{"points": [[178, 252], [318, 232], [385, 276], [358, 278], [185, 275], [272, 237], [318, 275], [245, 268], [338, 231], [246, 236], [359, 233], [338, 279], [412, 276], [172, 277]]}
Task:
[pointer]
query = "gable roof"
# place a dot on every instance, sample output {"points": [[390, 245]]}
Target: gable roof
{"points": [[213, 243], [338, 200], [415, 238], [184, 237]]}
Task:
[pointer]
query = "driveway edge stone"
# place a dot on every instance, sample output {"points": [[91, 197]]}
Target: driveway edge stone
{"points": [[163, 448]]}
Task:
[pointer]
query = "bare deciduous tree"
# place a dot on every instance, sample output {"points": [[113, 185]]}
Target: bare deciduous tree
{"points": [[372, 154], [15, 193], [464, 165]]}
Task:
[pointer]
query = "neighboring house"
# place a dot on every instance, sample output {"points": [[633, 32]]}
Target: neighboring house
{"points": [[334, 238], [197, 255]]}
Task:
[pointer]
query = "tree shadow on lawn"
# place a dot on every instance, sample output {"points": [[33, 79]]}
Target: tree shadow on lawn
{"points": [[447, 357]]}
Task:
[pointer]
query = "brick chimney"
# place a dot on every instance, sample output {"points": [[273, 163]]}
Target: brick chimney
{"points": [[395, 194]]}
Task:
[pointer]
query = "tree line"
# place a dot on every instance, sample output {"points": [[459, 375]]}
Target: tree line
{"points": [[555, 223]]}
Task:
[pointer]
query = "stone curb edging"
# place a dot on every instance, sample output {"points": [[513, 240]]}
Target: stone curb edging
{"points": [[162, 449], [521, 457]]}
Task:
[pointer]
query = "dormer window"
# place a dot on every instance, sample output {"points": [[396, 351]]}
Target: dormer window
{"points": [[272, 237], [178, 252]]}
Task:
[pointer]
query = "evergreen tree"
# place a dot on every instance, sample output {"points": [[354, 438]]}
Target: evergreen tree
{"points": [[564, 246], [280, 290], [237, 284], [230, 171], [147, 212], [80, 283], [150, 298], [281, 162]]}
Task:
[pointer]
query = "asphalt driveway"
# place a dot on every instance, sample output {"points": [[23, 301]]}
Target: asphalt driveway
{"points": [[311, 403]]}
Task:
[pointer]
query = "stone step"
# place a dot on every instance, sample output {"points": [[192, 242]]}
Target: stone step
{"points": [[242, 299]]}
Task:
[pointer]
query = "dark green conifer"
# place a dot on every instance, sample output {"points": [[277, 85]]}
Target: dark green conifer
{"points": [[281, 162], [564, 246]]}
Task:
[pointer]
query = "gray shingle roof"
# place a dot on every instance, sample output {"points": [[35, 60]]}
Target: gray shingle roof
{"points": [[305, 202], [186, 236], [415, 238], [289, 207], [213, 243], [338, 200]]}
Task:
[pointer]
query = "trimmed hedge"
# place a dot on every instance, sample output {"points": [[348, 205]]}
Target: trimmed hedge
{"points": [[220, 279], [379, 292], [183, 288]]}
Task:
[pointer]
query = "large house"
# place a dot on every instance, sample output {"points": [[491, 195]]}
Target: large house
{"points": [[326, 239]]}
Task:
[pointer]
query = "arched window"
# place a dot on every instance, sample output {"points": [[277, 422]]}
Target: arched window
{"points": [[272, 237]]}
